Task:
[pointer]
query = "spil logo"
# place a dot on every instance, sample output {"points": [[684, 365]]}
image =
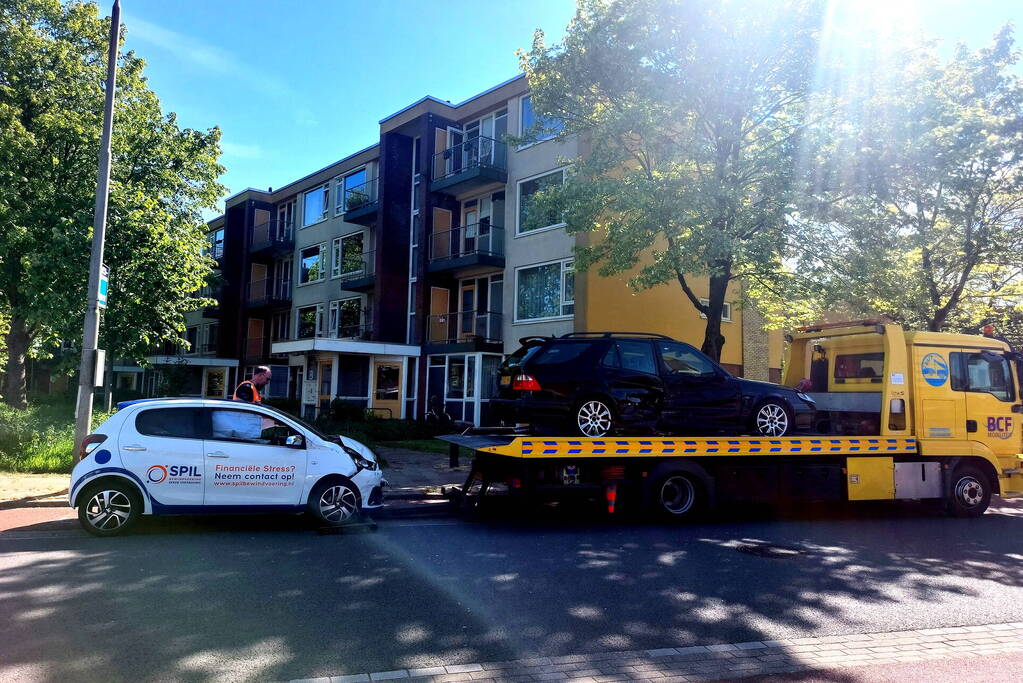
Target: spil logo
{"points": [[157, 474], [999, 427]]}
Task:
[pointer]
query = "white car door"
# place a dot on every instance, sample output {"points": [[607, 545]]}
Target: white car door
{"points": [[248, 462], [163, 447]]}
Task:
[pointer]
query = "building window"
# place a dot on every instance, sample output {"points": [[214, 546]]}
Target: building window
{"points": [[316, 207], [530, 220], [726, 310], [353, 191], [314, 264], [280, 326], [212, 335], [192, 337], [546, 127], [545, 291], [308, 322], [347, 254], [286, 213], [216, 244]]}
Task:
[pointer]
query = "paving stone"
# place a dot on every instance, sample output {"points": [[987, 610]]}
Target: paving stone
{"points": [[695, 649], [452, 678], [389, 675], [322, 679], [721, 648], [428, 671], [662, 652], [351, 678], [551, 676], [754, 645], [463, 668]]}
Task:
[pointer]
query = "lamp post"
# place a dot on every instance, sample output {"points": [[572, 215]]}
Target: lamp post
{"points": [[90, 337]]}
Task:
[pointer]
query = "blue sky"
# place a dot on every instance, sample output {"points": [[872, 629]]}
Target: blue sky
{"points": [[297, 85]]}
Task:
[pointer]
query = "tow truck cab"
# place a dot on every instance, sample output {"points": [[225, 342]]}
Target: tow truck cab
{"points": [[958, 394]]}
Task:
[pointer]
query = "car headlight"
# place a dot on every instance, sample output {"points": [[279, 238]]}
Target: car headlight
{"points": [[361, 462], [805, 397]]}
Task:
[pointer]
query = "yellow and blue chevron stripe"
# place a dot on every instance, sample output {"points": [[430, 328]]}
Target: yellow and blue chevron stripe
{"points": [[535, 447]]}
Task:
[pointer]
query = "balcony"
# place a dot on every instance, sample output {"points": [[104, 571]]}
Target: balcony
{"points": [[479, 244], [471, 164], [361, 202], [464, 331], [271, 239], [358, 271], [215, 251], [268, 293]]}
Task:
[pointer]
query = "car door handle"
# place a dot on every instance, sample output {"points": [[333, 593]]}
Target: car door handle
{"points": [[133, 448], [217, 454]]}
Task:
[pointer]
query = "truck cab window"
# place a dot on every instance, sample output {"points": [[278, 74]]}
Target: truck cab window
{"points": [[984, 373]]}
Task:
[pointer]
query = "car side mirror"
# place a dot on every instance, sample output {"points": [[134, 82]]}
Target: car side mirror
{"points": [[295, 441]]}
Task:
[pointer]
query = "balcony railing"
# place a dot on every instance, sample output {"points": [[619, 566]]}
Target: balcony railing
{"points": [[360, 196], [215, 251], [464, 326], [273, 233], [357, 266], [474, 153], [347, 328], [268, 291], [467, 240], [208, 349]]}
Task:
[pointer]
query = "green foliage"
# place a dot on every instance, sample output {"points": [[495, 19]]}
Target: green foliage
{"points": [[163, 177], [692, 112], [918, 213], [39, 438], [373, 429]]}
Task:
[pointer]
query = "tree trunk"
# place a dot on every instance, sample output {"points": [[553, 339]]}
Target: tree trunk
{"points": [[17, 350], [713, 340]]}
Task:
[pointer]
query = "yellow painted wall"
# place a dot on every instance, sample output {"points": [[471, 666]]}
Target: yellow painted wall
{"points": [[608, 303]]}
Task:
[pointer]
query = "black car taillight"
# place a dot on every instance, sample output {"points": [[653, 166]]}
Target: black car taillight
{"points": [[89, 444], [525, 383]]}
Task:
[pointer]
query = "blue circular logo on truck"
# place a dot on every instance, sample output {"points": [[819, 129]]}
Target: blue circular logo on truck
{"points": [[934, 369]]}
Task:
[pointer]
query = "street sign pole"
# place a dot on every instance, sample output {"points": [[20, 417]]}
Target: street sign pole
{"points": [[90, 336]]}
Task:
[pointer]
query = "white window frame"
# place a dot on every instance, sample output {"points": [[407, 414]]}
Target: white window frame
{"points": [[325, 188], [323, 260], [195, 347], [518, 203], [567, 264], [726, 310], [339, 187], [337, 251], [522, 126]]}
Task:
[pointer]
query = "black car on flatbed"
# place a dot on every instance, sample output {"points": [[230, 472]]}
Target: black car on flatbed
{"points": [[596, 383]]}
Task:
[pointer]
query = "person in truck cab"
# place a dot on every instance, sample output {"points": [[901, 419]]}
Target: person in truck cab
{"points": [[248, 390]]}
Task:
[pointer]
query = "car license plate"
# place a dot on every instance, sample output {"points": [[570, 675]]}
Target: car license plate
{"points": [[506, 380]]}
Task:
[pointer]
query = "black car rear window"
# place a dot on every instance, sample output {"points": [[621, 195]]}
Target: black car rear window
{"points": [[182, 423], [562, 352]]}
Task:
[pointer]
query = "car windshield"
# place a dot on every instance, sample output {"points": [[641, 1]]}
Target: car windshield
{"points": [[293, 418]]}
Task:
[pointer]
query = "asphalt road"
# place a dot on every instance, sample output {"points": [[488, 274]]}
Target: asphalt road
{"points": [[270, 599]]}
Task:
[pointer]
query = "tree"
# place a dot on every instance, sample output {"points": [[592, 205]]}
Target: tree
{"points": [[693, 111], [52, 68], [922, 205]]}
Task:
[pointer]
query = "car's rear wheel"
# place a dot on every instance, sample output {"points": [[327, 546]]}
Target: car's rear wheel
{"points": [[772, 418], [593, 418], [335, 503], [109, 508]]}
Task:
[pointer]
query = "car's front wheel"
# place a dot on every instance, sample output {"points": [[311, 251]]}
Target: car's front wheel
{"points": [[109, 508], [335, 503], [593, 418], [772, 418]]}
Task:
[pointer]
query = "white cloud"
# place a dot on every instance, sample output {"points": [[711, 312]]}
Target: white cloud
{"points": [[240, 151], [209, 57]]}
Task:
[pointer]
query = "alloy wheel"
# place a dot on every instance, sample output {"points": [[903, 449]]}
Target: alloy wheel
{"points": [[108, 510], [338, 504], [772, 420], [594, 418], [677, 494]]}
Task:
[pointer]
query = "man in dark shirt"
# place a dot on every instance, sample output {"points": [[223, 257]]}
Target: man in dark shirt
{"points": [[248, 390]]}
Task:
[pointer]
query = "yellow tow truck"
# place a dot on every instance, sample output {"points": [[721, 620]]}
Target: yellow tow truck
{"points": [[900, 415]]}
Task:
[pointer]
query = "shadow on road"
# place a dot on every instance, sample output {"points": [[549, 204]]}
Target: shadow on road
{"points": [[257, 598]]}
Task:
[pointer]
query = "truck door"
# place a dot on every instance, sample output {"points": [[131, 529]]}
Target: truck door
{"points": [[698, 396], [940, 412], [986, 379]]}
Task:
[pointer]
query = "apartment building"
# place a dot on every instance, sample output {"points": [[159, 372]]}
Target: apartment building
{"points": [[401, 275]]}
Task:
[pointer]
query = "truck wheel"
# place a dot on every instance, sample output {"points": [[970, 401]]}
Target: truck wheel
{"points": [[335, 503], [678, 496], [109, 508], [772, 418], [593, 418], [970, 493]]}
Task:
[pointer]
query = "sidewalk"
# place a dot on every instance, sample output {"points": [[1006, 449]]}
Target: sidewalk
{"points": [[730, 661], [33, 490]]}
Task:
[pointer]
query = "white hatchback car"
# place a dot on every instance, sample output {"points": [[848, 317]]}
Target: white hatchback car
{"points": [[187, 456]]}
